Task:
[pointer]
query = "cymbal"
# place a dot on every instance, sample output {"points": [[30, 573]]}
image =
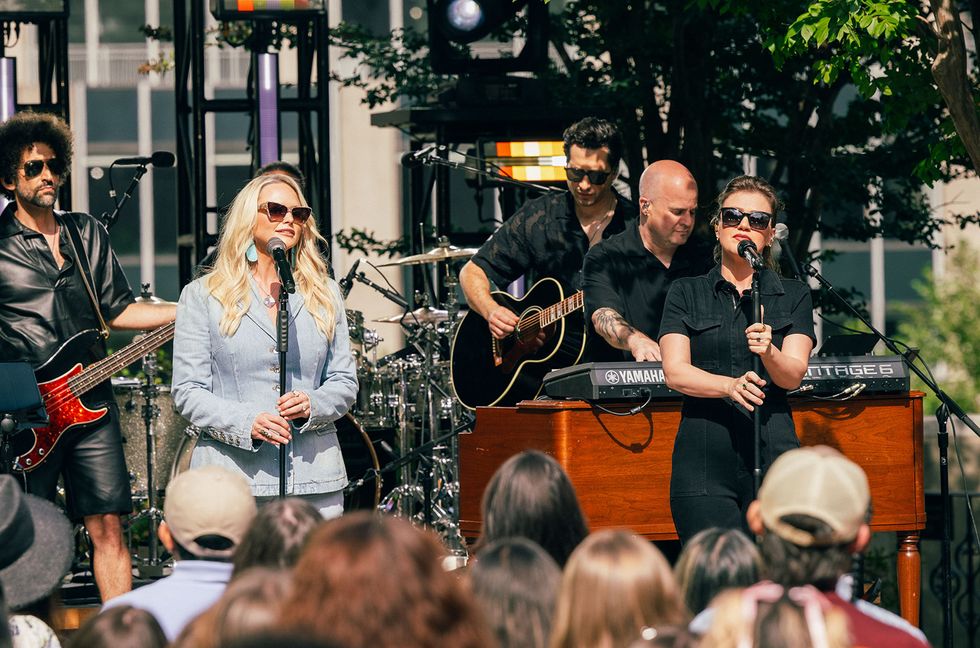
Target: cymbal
{"points": [[426, 315], [436, 254], [152, 299]]}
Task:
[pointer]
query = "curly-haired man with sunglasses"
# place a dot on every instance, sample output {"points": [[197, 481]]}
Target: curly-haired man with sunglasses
{"points": [[44, 302]]}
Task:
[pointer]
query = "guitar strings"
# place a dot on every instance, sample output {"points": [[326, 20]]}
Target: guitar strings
{"points": [[65, 394], [535, 319]]}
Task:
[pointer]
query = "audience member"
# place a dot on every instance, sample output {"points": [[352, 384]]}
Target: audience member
{"points": [[35, 554], [276, 535], [768, 616], [280, 639], [516, 584], [206, 513], [4, 627], [712, 561], [810, 529], [120, 627], [249, 604], [368, 580], [530, 496], [615, 584]]}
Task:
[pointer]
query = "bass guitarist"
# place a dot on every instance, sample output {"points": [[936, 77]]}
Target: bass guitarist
{"points": [[44, 301], [549, 236]]}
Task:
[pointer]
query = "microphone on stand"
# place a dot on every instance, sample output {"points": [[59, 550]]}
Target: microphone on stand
{"points": [[418, 158], [782, 234], [748, 251], [348, 281], [277, 249], [158, 159]]}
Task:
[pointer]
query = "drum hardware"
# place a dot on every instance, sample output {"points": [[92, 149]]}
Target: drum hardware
{"points": [[442, 252], [417, 317]]}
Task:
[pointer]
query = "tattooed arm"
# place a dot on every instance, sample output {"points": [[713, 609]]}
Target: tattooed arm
{"points": [[620, 334]]}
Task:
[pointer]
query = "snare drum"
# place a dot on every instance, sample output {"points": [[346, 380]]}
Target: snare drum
{"points": [[168, 430]]}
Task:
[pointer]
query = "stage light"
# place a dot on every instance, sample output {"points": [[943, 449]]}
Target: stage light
{"points": [[533, 161], [459, 22], [245, 9]]}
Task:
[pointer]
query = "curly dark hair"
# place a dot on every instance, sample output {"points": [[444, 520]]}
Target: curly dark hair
{"points": [[594, 133], [21, 132]]}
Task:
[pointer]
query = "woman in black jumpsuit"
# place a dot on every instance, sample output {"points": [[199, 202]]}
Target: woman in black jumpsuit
{"points": [[708, 340]]}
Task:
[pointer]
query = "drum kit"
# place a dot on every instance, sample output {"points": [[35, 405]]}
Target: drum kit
{"points": [[403, 411], [408, 392]]}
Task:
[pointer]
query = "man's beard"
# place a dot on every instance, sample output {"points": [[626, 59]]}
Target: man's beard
{"points": [[38, 199]]}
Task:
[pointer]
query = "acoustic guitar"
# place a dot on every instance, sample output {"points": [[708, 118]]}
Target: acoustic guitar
{"points": [[550, 335]]}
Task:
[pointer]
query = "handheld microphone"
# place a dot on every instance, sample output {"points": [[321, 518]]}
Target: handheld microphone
{"points": [[418, 158], [348, 281], [748, 251], [782, 235], [277, 249], [158, 159]]}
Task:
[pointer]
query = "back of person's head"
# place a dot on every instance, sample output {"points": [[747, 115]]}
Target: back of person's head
{"points": [[35, 548], [767, 615], [666, 636], [279, 639], [207, 512], [249, 604], [120, 627], [713, 560], [5, 640], [592, 133], [277, 535], [281, 167], [366, 579], [516, 584], [530, 496], [811, 525], [615, 584]]}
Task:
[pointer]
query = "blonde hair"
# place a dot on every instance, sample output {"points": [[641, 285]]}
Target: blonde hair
{"points": [[228, 280], [614, 585], [743, 621]]}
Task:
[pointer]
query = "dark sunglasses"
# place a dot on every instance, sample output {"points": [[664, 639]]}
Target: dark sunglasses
{"points": [[34, 168], [732, 216], [595, 177], [277, 212]]}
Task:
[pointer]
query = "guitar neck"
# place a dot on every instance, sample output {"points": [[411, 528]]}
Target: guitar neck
{"points": [[569, 305], [107, 367]]}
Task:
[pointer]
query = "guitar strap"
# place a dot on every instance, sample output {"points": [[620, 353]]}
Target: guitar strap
{"points": [[85, 270]]}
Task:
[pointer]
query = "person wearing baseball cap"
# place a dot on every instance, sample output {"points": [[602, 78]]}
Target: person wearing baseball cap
{"points": [[206, 512], [35, 554], [813, 514]]}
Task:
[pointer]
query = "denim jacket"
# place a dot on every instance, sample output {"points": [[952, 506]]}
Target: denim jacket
{"points": [[220, 384]]}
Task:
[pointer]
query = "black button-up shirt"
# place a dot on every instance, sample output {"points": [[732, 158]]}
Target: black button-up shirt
{"points": [[621, 274], [545, 239], [42, 305]]}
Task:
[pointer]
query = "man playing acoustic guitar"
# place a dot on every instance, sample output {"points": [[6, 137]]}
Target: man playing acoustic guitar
{"points": [[54, 267]]}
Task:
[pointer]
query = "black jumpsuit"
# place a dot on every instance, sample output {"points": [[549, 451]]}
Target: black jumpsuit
{"points": [[711, 478]]}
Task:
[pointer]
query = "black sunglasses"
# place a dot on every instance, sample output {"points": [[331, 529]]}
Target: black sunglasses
{"points": [[595, 177], [34, 168], [732, 216], [277, 212]]}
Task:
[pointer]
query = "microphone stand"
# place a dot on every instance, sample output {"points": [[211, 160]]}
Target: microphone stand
{"points": [[947, 406], [110, 219], [757, 410], [282, 346]]}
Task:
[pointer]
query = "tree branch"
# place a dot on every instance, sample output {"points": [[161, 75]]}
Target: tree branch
{"points": [[949, 69]]}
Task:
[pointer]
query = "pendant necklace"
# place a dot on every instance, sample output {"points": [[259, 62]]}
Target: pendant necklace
{"points": [[268, 300]]}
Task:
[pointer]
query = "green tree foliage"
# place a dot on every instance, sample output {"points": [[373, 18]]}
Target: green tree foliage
{"points": [[947, 325], [908, 54], [697, 82]]}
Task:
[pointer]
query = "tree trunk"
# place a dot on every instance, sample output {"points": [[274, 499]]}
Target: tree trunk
{"points": [[949, 69]]}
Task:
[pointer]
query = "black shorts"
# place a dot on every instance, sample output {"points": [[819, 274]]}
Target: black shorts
{"points": [[93, 465]]}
